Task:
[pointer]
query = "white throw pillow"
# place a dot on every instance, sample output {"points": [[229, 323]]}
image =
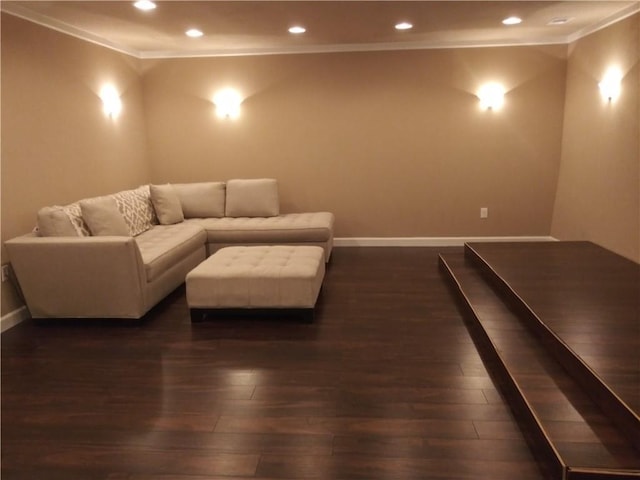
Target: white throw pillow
{"points": [[252, 198], [166, 204], [54, 222], [103, 218]]}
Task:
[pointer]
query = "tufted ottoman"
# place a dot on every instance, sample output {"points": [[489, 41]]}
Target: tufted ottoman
{"points": [[259, 278]]}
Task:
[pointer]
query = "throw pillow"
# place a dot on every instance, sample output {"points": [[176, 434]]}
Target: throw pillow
{"points": [[102, 216], [74, 212], [54, 222], [137, 209], [252, 198], [166, 204], [201, 200]]}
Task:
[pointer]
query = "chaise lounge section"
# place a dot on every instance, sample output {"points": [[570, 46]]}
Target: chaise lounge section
{"points": [[118, 255]]}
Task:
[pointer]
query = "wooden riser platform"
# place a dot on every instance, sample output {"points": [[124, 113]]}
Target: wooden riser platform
{"points": [[574, 436], [583, 302]]}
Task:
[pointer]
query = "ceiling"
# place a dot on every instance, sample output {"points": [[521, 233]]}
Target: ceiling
{"points": [[261, 27]]}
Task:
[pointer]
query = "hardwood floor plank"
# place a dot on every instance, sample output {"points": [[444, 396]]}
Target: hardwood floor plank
{"points": [[345, 425], [127, 420], [482, 450], [61, 474], [131, 459], [350, 466], [232, 443]]}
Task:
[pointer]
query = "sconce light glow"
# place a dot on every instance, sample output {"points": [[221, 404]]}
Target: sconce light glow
{"points": [[297, 30], [227, 103], [491, 96], [111, 104], [610, 85]]}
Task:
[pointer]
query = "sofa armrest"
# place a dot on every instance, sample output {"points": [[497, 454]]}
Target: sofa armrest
{"points": [[78, 277]]}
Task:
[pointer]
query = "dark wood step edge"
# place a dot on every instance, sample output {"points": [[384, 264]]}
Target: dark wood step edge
{"points": [[599, 474], [539, 441], [625, 419]]}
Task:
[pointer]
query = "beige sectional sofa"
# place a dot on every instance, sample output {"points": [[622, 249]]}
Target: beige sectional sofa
{"points": [[118, 255]]}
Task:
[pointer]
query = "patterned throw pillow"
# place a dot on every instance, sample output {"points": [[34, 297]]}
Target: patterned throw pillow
{"points": [[137, 209], [74, 213]]}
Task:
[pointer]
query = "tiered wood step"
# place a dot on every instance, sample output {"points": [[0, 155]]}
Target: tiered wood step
{"points": [[575, 436], [583, 303]]}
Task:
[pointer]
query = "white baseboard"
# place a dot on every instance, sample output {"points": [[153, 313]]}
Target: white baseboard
{"points": [[428, 241], [12, 319]]}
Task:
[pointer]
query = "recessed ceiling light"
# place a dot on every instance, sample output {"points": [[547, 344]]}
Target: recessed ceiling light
{"points": [[559, 20], [404, 26], [297, 29], [144, 5], [193, 33], [512, 21]]}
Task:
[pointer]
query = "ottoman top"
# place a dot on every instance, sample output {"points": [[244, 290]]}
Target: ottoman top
{"points": [[261, 261]]}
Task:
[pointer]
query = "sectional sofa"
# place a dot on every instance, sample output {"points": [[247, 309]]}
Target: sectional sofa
{"points": [[116, 256]]}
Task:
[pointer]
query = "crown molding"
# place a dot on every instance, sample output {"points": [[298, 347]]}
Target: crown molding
{"points": [[17, 10], [342, 48], [21, 12], [615, 18]]}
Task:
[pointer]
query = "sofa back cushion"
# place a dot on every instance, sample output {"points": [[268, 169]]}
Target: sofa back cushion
{"points": [[201, 200], [252, 198]]}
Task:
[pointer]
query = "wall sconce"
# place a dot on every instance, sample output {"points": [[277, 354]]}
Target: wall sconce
{"points": [[227, 103], [491, 96], [111, 104], [610, 85]]}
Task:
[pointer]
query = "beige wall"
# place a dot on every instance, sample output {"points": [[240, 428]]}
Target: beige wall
{"points": [[598, 195], [394, 143], [57, 145]]}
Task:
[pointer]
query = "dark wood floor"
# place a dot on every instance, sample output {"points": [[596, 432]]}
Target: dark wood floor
{"points": [[587, 296], [386, 383], [584, 433]]}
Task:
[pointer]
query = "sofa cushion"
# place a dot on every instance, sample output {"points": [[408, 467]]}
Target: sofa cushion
{"points": [[252, 198], [201, 200], [166, 204], [163, 246], [103, 218], [285, 228], [55, 222]]}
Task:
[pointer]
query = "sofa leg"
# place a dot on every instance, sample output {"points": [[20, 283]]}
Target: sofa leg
{"points": [[308, 315], [197, 315]]}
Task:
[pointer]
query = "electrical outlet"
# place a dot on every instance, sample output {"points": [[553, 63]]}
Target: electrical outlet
{"points": [[5, 273], [484, 212]]}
